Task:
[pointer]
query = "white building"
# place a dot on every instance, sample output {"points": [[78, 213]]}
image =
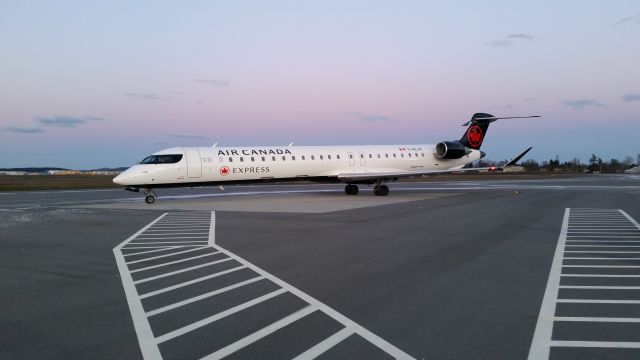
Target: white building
{"points": [[633, 170]]}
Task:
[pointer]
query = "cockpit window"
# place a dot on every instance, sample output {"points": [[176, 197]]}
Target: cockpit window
{"points": [[162, 159]]}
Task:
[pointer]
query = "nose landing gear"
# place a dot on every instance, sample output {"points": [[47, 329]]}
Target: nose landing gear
{"points": [[150, 197]]}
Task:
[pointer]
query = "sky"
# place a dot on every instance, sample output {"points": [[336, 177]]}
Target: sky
{"points": [[88, 84]]}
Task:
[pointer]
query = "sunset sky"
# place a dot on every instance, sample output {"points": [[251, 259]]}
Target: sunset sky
{"points": [[86, 84]]}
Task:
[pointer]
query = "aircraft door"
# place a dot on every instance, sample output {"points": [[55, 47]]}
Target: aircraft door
{"points": [[363, 159], [352, 159], [194, 164]]}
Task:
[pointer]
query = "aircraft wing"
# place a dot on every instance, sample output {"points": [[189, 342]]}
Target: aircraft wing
{"points": [[390, 174]]}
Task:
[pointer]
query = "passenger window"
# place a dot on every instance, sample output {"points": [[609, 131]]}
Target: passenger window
{"points": [[241, 159], [416, 154], [370, 156], [386, 155], [409, 154], [401, 154], [394, 154], [284, 158], [302, 157], [350, 156], [378, 156], [422, 154], [273, 158], [338, 157], [313, 157], [263, 158], [329, 157], [361, 156], [252, 159], [293, 157], [321, 157], [230, 159]]}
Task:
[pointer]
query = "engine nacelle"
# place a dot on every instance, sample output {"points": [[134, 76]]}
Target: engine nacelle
{"points": [[451, 150]]}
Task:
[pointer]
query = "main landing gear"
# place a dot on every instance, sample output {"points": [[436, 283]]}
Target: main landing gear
{"points": [[379, 189], [150, 197], [351, 189]]}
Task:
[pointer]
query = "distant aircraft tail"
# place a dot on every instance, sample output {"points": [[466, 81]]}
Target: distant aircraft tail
{"points": [[477, 128]]}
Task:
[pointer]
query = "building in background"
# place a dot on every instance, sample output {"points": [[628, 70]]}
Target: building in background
{"points": [[633, 170]]}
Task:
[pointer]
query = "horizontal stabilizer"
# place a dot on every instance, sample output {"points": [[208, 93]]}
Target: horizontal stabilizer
{"points": [[494, 118]]}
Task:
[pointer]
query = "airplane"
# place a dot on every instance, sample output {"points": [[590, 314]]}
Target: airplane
{"points": [[353, 165]]}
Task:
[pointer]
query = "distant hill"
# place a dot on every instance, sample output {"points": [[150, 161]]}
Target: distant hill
{"points": [[110, 169], [46, 169], [33, 169]]}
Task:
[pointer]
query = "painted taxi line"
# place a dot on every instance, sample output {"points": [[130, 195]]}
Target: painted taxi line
{"points": [[190, 298], [591, 307]]}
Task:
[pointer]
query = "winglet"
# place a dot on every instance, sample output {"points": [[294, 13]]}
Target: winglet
{"points": [[515, 160]]}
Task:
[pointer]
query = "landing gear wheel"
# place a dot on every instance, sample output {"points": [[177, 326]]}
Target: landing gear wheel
{"points": [[150, 197], [351, 189], [381, 190]]}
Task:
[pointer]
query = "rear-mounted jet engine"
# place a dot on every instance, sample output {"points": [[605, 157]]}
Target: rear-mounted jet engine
{"points": [[451, 150]]}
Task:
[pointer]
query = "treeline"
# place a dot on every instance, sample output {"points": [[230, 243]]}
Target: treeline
{"points": [[594, 164]]}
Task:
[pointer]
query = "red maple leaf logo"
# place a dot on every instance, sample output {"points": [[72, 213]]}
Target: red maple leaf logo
{"points": [[224, 171], [474, 135]]}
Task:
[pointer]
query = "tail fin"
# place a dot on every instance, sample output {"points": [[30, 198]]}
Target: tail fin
{"points": [[476, 130], [478, 126]]}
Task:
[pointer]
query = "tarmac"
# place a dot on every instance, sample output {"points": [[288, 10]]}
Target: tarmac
{"points": [[498, 269]]}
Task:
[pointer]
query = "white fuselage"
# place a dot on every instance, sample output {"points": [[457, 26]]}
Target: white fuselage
{"points": [[245, 164]]}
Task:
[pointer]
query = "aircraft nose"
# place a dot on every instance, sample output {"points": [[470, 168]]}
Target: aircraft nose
{"points": [[124, 178], [120, 179]]}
